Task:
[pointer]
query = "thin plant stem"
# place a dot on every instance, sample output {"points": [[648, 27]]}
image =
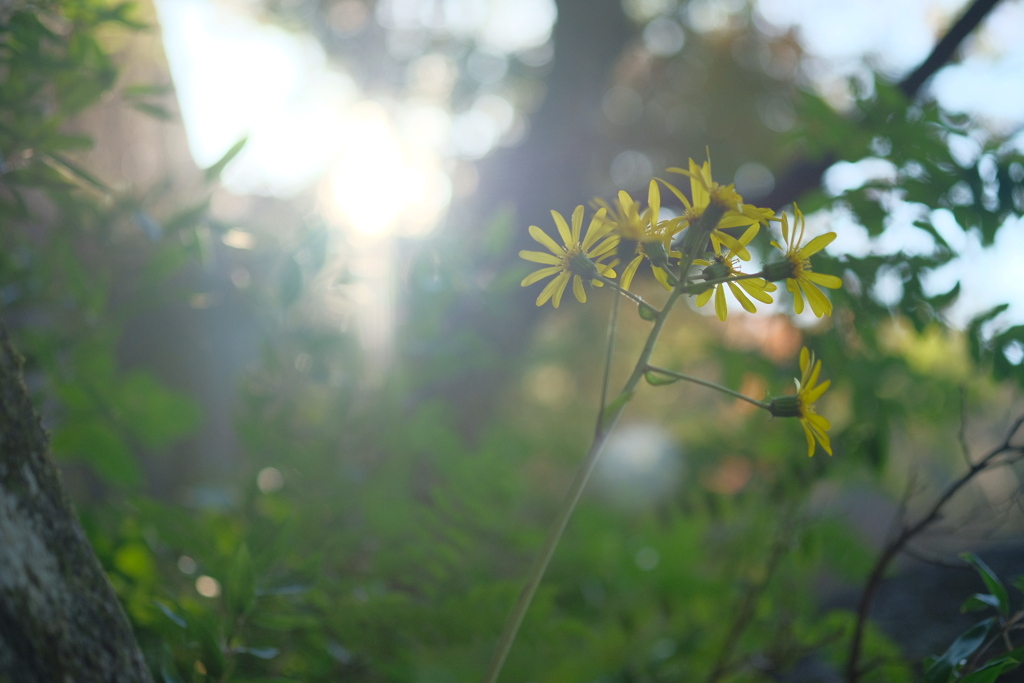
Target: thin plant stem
{"points": [[613, 322], [610, 416], [626, 293], [708, 384], [572, 497]]}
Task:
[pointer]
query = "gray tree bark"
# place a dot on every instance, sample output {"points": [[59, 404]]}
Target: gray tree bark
{"points": [[60, 621]]}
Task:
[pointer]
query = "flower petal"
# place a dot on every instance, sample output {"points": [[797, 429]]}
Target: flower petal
{"points": [[597, 229], [758, 290], [817, 244], [542, 237], [538, 275], [747, 304], [540, 257], [675, 190], [654, 201], [577, 289], [563, 229], [823, 280], [798, 299], [557, 284], [577, 224], [721, 307], [630, 271], [817, 299], [563, 279], [662, 277], [810, 438], [814, 394], [603, 248]]}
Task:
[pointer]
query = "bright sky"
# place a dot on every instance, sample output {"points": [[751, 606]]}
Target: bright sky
{"points": [[237, 77]]}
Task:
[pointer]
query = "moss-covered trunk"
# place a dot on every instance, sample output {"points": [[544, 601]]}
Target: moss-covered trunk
{"points": [[60, 620]]}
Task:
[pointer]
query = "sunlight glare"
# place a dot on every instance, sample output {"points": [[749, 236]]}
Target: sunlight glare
{"points": [[381, 185]]}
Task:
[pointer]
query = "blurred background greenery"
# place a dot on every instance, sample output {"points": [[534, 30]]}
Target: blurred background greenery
{"points": [[268, 294]]}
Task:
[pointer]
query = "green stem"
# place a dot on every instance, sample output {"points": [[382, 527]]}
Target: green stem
{"points": [[710, 385], [707, 284], [572, 497], [613, 322], [626, 293]]}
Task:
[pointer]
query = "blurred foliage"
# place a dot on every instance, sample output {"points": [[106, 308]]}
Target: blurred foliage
{"points": [[373, 532]]}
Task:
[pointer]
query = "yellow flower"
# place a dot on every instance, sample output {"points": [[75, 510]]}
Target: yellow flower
{"points": [[641, 231], [802, 405], [575, 259], [801, 281], [725, 266], [715, 207]]}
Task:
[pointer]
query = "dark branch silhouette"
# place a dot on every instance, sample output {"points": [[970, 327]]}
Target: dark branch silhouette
{"points": [[897, 545]]}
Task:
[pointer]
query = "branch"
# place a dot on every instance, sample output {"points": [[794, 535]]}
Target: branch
{"points": [[805, 174], [895, 546]]}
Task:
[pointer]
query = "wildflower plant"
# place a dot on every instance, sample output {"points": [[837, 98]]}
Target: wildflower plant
{"points": [[691, 255]]}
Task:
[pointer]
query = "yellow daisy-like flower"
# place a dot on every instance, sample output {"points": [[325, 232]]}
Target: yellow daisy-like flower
{"points": [[715, 207], [725, 266], [576, 259], [801, 281], [642, 230], [802, 405]]}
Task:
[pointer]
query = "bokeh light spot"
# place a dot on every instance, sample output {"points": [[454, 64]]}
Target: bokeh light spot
{"points": [[207, 586]]}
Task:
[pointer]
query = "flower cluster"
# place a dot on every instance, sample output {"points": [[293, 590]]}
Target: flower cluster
{"points": [[673, 243], [692, 252]]}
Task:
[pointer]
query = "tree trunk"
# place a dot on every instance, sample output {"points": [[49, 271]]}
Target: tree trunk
{"points": [[60, 620]]}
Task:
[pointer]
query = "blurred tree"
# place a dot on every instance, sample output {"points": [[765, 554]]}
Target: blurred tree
{"points": [[59, 617]]}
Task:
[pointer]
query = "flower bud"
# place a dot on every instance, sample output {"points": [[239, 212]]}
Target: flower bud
{"points": [[657, 253], [786, 406], [716, 271]]}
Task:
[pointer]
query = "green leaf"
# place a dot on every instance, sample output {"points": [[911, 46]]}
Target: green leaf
{"points": [[155, 110], [101, 447], [962, 648], [992, 582], [156, 414], [241, 581], [942, 301], [213, 172], [135, 560], [979, 601], [170, 614], [77, 172], [656, 379], [995, 668], [150, 90]]}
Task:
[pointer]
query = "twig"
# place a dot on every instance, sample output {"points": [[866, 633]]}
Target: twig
{"points": [[853, 672]]}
